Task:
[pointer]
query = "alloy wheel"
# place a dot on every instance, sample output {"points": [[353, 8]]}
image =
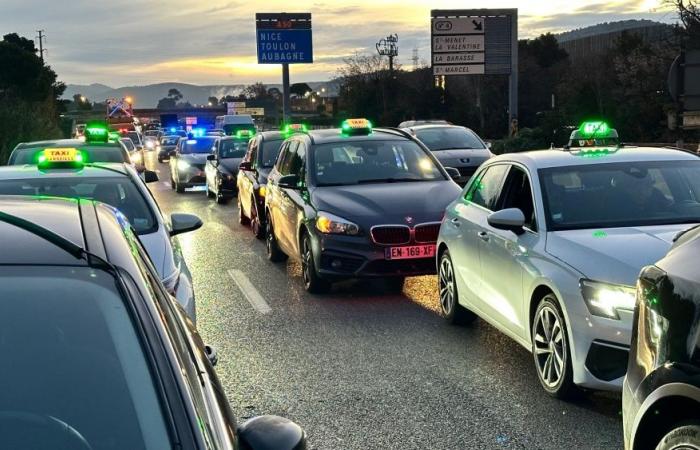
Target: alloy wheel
{"points": [[447, 286], [549, 347]]}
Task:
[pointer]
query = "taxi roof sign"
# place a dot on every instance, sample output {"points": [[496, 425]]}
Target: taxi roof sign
{"points": [[60, 156], [595, 129], [356, 126], [243, 133], [96, 132], [295, 128]]}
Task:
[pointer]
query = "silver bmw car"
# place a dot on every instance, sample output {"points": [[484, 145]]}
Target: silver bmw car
{"points": [[547, 246]]}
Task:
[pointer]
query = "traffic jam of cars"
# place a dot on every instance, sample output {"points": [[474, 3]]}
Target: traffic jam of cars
{"points": [[583, 255]]}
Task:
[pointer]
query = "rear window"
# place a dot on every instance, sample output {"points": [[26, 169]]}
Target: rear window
{"points": [[119, 192], [73, 358], [169, 140], [233, 148], [448, 138], [113, 153], [270, 151]]}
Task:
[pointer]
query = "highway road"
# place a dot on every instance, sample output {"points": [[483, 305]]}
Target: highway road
{"points": [[360, 368]]}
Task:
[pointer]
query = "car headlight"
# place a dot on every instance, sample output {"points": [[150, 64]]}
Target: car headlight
{"points": [[262, 191], [605, 300], [150, 144], [182, 164], [332, 224], [136, 158]]}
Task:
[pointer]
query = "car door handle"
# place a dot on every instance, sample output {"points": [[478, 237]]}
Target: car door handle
{"points": [[456, 222], [484, 236]]}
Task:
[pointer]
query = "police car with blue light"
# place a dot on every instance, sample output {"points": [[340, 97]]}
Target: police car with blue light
{"points": [[356, 202], [68, 172], [188, 160], [547, 245]]}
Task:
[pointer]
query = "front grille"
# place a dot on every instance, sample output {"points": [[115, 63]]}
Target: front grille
{"points": [[467, 171], [427, 233], [607, 361], [422, 266], [391, 234]]}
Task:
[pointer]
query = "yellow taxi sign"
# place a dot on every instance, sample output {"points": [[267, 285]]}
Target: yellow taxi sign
{"points": [[356, 125], [60, 155]]}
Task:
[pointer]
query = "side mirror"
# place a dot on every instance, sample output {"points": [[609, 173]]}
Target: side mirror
{"points": [[489, 145], [150, 176], [211, 157], [245, 166], [183, 223], [289, 182], [271, 432], [511, 219], [212, 355], [453, 173]]}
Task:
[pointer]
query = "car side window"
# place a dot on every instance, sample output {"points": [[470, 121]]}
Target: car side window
{"points": [[517, 193], [296, 166], [188, 361], [252, 156], [486, 188], [289, 158], [282, 155]]}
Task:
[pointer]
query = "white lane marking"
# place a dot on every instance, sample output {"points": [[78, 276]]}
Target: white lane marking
{"points": [[251, 294]]}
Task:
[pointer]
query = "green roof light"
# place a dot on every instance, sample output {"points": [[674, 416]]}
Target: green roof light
{"points": [[594, 129], [356, 127]]}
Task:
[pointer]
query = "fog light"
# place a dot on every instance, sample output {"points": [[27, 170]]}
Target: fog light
{"points": [[336, 264]]}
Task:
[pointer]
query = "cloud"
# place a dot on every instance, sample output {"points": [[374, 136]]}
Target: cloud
{"points": [[134, 42]]}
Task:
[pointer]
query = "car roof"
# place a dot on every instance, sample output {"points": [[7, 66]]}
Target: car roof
{"points": [[273, 135], [88, 171], [64, 143], [62, 216], [332, 135], [435, 125], [542, 159]]}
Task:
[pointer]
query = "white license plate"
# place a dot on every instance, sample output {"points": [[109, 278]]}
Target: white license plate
{"points": [[410, 252]]}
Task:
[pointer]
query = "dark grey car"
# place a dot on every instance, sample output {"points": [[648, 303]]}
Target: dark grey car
{"points": [[454, 146]]}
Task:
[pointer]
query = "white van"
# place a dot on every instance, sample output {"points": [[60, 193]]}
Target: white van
{"points": [[231, 124]]}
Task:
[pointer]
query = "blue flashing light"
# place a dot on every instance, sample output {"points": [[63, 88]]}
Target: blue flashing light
{"points": [[173, 129], [198, 132]]}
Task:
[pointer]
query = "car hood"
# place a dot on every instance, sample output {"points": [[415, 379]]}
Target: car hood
{"points": [[457, 158], [194, 158], [230, 164], [372, 204], [614, 255], [157, 247]]}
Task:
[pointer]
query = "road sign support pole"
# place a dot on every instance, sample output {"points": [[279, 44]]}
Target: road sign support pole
{"points": [[513, 91], [286, 110]]}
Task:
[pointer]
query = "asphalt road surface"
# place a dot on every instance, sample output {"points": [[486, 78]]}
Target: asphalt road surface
{"points": [[360, 368]]}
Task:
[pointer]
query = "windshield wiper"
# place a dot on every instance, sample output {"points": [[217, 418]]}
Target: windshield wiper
{"points": [[456, 148], [388, 180]]}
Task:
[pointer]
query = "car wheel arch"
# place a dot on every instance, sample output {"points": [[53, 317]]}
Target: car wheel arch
{"points": [[542, 289], [664, 408]]}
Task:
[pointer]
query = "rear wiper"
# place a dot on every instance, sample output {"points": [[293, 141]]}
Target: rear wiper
{"points": [[388, 180]]}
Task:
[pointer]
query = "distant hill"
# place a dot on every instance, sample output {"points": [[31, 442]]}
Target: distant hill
{"points": [[605, 28], [148, 96]]}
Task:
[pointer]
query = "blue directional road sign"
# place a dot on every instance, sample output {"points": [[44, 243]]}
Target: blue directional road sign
{"points": [[284, 38]]}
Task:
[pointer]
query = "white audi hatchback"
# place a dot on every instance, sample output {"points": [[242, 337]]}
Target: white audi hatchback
{"points": [[547, 245]]}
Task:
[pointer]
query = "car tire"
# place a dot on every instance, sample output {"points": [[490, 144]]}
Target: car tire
{"points": [[313, 282], [683, 436], [210, 194], [160, 160], [395, 284], [242, 219], [255, 224], [550, 349], [453, 312], [274, 253], [179, 188]]}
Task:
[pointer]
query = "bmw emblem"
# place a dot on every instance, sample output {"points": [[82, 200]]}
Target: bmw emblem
{"points": [[409, 219]]}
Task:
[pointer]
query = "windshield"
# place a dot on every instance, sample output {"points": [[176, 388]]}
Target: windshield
{"points": [[270, 151], [81, 363], [372, 161], [128, 143], [448, 138], [231, 148], [113, 153], [622, 195], [199, 145], [169, 140], [152, 133], [119, 192]]}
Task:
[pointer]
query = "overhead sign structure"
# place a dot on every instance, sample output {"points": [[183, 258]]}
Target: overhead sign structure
{"points": [[250, 111], [284, 38], [476, 42]]}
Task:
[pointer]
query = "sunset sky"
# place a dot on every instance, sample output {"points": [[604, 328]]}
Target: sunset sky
{"points": [[121, 42]]}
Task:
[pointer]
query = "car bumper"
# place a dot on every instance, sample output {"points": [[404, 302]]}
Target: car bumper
{"points": [[601, 350], [192, 176], [339, 256]]}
